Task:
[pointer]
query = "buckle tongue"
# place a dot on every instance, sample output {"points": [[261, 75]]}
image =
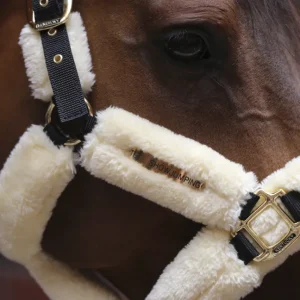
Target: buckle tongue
{"points": [[48, 24], [269, 250]]}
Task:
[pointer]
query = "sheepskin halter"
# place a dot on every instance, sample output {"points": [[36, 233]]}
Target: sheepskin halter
{"points": [[251, 227]]}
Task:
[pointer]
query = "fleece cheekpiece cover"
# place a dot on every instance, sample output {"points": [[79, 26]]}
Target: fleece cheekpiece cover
{"points": [[207, 268], [33, 177], [36, 173]]}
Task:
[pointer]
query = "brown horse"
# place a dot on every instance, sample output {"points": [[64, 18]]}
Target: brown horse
{"points": [[239, 95]]}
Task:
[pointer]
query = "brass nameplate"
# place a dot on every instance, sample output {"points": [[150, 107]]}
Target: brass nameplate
{"points": [[47, 24], [285, 243], [159, 166]]}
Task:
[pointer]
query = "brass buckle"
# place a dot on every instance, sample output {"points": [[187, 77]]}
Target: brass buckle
{"points": [[70, 142], [270, 201], [49, 23]]}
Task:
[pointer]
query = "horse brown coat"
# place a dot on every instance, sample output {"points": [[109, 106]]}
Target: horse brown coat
{"points": [[245, 107]]}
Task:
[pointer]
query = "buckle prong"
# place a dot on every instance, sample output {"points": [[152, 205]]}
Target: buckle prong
{"points": [[267, 201]]}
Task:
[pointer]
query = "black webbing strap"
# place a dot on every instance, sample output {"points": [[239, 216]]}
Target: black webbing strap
{"points": [[68, 95], [53, 10], [248, 207], [55, 135], [292, 202], [245, 249], [58, 138], [72, 111]]}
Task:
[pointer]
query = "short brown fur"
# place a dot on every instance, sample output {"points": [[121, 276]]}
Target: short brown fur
{"points": [[246, 107]]}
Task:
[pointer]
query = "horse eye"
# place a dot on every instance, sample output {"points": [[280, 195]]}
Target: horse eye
{"points": [[186, 45]]}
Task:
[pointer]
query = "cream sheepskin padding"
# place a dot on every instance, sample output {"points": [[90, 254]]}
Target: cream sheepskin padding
{"points": [[30, 41], [37, 172], [106, 154], [208, 268], [61, 283], [31, 181]]}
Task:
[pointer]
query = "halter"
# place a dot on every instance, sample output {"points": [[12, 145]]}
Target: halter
{"points": [[251, 230]]}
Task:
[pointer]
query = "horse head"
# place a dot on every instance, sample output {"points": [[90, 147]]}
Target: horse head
{"points": [[223, 73]]}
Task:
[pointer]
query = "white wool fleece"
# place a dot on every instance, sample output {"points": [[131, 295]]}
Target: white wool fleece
{"points": [[30, 41], [209, 269], [37, 172], [106, 154], [31, 181]]}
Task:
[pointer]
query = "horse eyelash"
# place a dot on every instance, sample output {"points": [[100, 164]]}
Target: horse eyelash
{"points": [[176, 35]]}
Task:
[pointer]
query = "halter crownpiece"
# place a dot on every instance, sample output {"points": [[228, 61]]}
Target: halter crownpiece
{"points": [[247, 235]]}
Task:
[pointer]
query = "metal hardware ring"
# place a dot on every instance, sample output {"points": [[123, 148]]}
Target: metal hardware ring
{"points": [[70, 142]]}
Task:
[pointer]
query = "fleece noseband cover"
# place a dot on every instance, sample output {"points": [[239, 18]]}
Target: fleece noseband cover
{"points": [[148, 160], [107, 154], [208, 267]]}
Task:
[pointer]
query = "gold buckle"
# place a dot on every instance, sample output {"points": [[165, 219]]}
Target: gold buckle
{"points": [[49, 23], [270, 201], [69, 142]]}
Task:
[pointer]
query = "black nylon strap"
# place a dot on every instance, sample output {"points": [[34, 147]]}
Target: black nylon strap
{"points": [[248, 207], [69, 99], [55, 135], [292, 202], [53, 10], [59, 138], [73, 119], [245, 249]]}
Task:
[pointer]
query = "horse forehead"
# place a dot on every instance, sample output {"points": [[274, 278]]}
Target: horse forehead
{"points": [[224, 5], [215, 10]]}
